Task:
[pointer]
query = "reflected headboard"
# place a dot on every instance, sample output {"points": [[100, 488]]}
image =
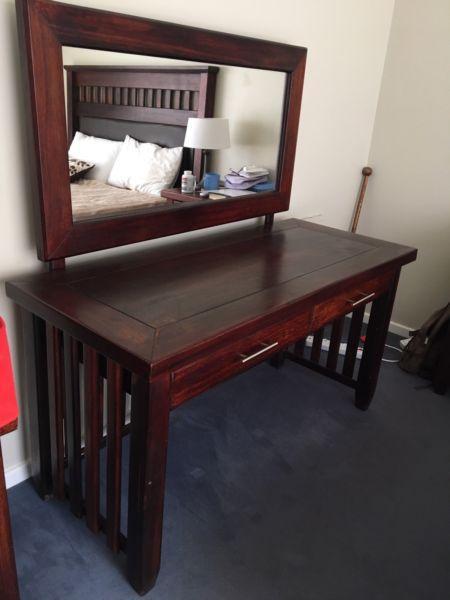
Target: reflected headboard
{"points": [[152, 104]]}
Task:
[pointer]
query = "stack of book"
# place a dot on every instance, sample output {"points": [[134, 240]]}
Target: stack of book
{"points": [[246, 178]]}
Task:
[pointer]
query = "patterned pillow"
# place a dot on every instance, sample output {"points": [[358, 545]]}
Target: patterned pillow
{"points": [[78, 168]]}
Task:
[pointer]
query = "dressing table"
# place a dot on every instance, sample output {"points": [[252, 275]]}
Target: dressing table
{"points": [[167, 323]]}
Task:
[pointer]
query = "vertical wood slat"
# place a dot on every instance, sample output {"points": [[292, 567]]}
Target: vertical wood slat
{"points": [[117, 95], [194, 100], [335, 342], [73, 421], [158, 99], [124, 408], [167, 98], [353, 341], [140, 97], [124, 96], [317, 346], [127, 386], [56, 407], [35, 349], [148, 98], [115, 419], [92, 412], [176, 98], [109, 95], [185, 99]]}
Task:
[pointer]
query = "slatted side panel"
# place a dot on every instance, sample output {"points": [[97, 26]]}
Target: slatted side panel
{"points": [[80, 432], [142, 97], [324, 348]]}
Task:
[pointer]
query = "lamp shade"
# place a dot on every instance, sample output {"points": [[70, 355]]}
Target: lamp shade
{"points": [[207, 133]]}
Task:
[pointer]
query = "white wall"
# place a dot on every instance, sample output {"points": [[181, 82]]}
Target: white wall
{"points": [[408, 198], [347, 43]]}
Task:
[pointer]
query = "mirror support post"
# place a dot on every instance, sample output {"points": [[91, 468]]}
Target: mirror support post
{"points": [[268, 222]]}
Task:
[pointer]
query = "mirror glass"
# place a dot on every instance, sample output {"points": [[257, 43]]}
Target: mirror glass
{"points": [[137, 123]]}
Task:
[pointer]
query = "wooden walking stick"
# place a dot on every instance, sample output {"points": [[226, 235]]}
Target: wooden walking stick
{"points": [[366, 173]]}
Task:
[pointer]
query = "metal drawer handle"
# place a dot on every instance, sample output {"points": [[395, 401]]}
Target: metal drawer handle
{"points": [[266, 348], [361, 300]]}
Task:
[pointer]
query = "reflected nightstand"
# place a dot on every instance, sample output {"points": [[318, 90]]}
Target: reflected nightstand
{"points": [[176, 195]]}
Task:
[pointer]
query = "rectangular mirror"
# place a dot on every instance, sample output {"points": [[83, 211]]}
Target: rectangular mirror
{"points": [[178, 93], [120, 106]]}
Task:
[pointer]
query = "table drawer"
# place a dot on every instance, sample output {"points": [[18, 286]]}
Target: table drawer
{"points": [[197, 376], [354, 297]]}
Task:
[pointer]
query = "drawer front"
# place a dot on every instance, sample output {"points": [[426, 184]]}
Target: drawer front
{"points": [[195, 377], [356, 296]]}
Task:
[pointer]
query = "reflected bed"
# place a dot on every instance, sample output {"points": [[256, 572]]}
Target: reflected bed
{"points": [[151, 104], [93, 199]]}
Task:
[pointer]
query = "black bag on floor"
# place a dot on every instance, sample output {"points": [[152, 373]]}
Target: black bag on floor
{"points": [[421, 354]]}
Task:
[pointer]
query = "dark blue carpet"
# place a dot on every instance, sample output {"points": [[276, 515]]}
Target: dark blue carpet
{"points": [[278, 488]]}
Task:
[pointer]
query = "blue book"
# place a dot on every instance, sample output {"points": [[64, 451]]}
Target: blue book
{"points": [[267, 186]]}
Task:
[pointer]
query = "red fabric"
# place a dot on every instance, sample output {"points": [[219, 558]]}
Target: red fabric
{"points": [[8, 403]]}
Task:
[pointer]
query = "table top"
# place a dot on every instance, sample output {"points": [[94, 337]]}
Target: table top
{"points": [[148, 308]]}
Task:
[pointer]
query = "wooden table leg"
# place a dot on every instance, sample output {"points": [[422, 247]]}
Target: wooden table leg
{"points": [[268, 222], [35, 349], [150, 404], [277, 360], [377, 329], [9, 589]]}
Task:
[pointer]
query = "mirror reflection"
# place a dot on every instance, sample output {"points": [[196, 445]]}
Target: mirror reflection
{"points": [[148, 134]]}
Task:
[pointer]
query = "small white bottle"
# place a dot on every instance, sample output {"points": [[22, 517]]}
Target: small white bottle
{"points": [[187, 183]]}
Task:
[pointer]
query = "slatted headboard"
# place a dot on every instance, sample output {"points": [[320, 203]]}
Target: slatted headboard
{"points": [[150, 104]]}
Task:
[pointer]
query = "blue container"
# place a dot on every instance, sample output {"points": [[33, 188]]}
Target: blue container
{"points": [[211, 181]]}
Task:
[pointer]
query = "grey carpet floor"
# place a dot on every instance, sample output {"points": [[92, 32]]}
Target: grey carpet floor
{"points": [[277, 488]]}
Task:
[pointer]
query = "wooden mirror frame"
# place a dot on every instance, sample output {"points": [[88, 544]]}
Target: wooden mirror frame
{"points": [[45, 27]]}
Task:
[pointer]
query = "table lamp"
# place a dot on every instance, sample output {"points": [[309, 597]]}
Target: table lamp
{"points": [[207, 133]]}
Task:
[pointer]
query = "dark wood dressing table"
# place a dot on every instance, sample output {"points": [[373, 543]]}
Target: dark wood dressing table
{"points": [[165, 324], [176, 321]]}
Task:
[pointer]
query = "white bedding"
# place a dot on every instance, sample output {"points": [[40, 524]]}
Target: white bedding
{"points": [[92, 198]]}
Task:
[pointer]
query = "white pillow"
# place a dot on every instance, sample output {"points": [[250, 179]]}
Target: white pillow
{"points": [[145, 167], [95, 150]]}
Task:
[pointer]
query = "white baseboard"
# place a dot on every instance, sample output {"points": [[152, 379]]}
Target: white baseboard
{"points": [[400, 329], [397, 328], [17, 474]]}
